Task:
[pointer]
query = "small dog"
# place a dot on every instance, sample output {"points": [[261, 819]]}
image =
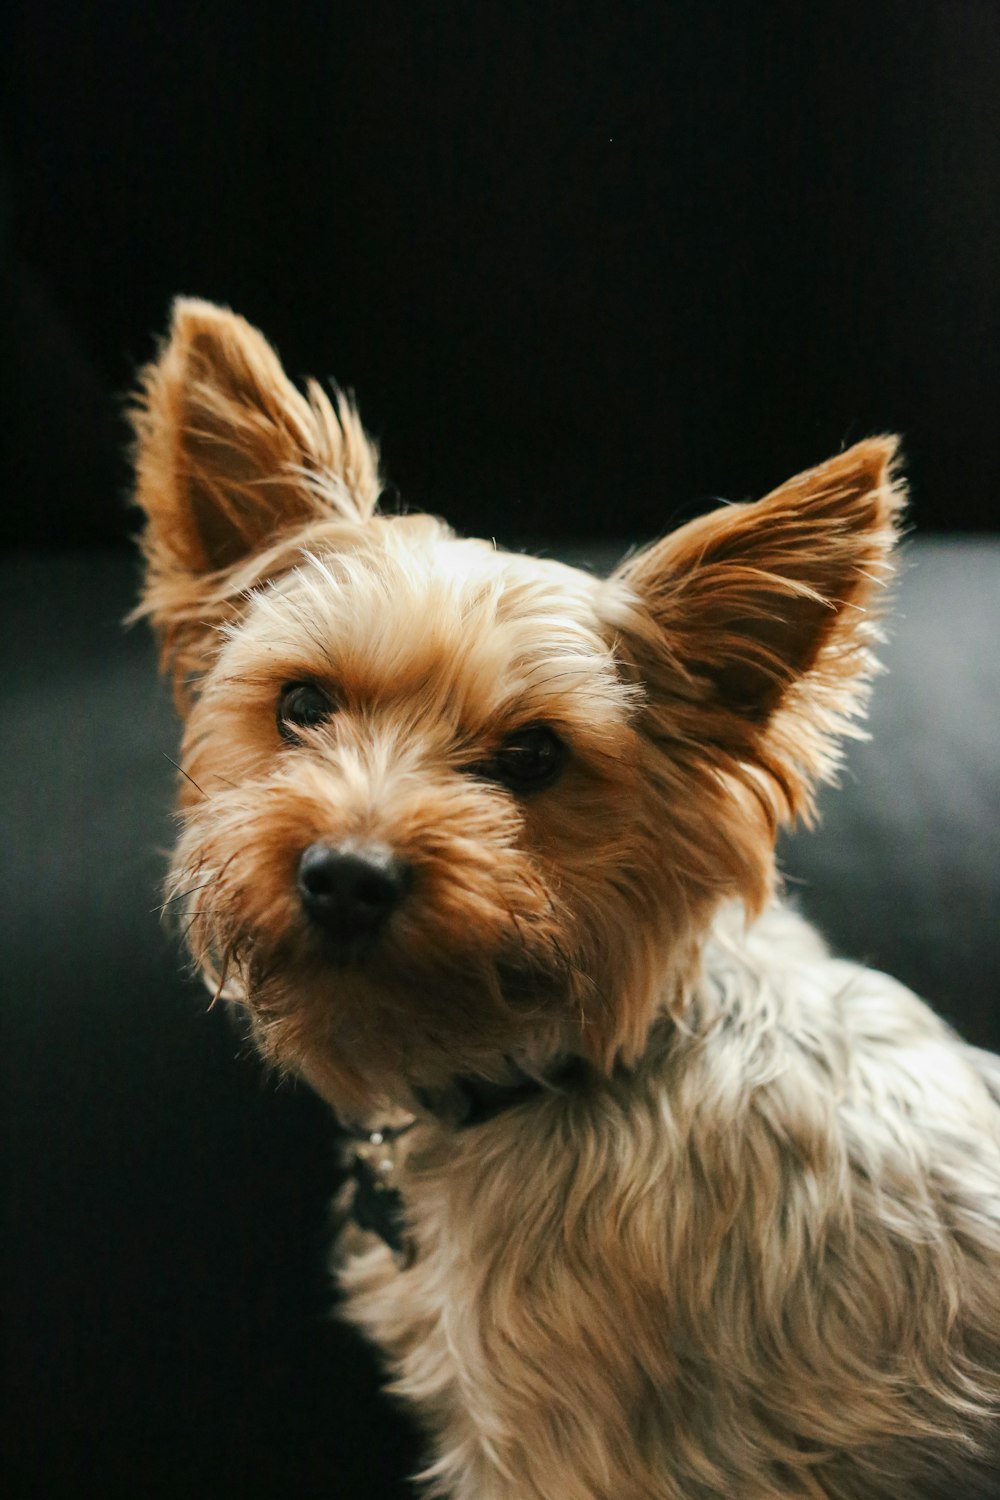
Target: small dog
{"points": [[672, 1203]]}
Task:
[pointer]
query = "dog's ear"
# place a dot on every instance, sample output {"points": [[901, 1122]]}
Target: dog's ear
{"points": [[755, 623], [231, 460]]}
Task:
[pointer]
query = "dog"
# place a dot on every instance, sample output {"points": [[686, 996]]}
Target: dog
{"points": [[653, 1198]]}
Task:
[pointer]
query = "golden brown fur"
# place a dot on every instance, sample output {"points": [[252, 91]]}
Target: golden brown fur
{"points": [[755, 1252]]}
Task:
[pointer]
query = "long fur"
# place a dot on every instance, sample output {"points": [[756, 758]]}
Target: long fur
{"points": [[755, 1253]]}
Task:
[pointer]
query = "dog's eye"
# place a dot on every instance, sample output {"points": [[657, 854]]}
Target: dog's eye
{"points": [[302, 705], [527, 761]]}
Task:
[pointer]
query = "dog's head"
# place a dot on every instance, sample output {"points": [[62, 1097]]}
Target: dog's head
{"points": [[444, 806]]}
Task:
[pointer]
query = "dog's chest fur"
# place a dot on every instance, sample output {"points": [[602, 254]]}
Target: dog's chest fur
{"points": [[777, 1204]]}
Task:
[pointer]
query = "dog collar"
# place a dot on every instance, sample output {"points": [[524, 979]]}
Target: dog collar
{"points": [[468, 1101]]}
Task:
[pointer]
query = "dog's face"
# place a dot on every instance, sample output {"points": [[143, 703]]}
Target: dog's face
{"points": [[445, 806], [413, 843]]}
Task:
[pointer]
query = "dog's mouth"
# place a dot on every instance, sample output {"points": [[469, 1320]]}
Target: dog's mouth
{"points": [[445, 1000], [353, 952], [388, 945], [378, 962], [523, 983]]}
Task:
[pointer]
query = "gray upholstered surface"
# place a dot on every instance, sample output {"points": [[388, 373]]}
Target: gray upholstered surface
{"points": [[164, 1211], [904, 871]]}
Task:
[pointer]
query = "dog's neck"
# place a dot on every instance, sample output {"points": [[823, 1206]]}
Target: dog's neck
{"points": [[465, 1102], [468, 1100]]}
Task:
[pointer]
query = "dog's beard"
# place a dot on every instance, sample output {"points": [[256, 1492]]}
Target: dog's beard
{"points": [[381, 1028], [432, 997]]}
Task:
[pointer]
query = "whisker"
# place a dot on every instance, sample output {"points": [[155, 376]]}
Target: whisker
{"points": [[182, 895], [186, 933], [184, 773]]}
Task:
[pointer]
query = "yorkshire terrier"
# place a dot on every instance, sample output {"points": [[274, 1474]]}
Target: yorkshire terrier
{"points": [[654, 1198]]}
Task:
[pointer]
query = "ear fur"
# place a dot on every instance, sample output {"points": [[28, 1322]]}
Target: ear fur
{"points": [[754, 625], [231, 462]]}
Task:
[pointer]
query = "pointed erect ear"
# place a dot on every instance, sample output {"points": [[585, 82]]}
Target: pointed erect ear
{"points": [[755, 622], [231, 459], [227, 447]]}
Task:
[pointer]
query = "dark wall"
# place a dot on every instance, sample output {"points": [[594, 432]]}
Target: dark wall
{"points": [[585, 265]]}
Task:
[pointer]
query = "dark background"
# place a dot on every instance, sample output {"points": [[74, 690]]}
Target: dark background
{"points": [[586, 265]]}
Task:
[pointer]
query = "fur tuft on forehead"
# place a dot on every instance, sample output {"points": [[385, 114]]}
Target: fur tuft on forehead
{"points": [[472, 635]]}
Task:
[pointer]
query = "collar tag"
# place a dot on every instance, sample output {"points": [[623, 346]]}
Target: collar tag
{"points": [[377, 1203]]}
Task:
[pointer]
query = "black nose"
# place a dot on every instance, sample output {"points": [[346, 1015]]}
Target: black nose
{"points": [[349, 890]]}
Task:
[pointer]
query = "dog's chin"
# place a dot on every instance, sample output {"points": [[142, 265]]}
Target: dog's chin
{"points": [[367, 1030]]}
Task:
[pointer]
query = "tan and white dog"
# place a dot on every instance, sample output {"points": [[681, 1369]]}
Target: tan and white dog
{"points": [[682, 1206]]}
